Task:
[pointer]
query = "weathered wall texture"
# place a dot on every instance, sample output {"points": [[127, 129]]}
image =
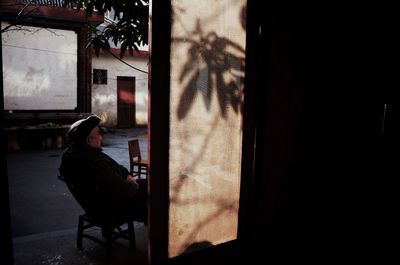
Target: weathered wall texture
{"points": [[104, 96], [39, 68], [207, 75]]}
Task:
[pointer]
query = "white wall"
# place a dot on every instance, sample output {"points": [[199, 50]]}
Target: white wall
{"points": [[104, 97], [39, 69]]}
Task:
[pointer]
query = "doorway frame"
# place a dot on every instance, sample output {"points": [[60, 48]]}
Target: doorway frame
{"points": [[119, 116]]}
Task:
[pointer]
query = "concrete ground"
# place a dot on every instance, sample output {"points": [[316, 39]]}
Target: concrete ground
{"points": [[44, 215]]}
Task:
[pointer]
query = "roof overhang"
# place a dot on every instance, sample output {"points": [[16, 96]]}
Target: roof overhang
{"points": [[141, 53], [11, 8]]}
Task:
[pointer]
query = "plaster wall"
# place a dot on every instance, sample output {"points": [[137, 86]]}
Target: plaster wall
{"points": [[39, 68], [206, 97], [104, 96]]}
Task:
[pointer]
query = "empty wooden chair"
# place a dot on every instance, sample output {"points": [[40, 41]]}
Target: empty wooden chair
{"points": [[138, 166]]}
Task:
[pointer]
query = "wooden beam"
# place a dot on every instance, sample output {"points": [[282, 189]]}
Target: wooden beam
{"points": [[49, 12]]}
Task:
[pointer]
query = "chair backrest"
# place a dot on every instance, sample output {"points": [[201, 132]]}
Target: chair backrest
{"points": [[134, 150], [74, 191], [87, 205]]}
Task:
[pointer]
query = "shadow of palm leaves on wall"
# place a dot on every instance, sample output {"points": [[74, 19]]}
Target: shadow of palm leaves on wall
{"points": [[211, 59]]}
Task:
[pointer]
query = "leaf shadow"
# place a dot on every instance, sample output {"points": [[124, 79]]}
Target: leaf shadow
{"points": [[215, 65]]}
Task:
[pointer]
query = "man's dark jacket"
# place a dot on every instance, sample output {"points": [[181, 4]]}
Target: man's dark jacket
{"points": [[99, 184]]}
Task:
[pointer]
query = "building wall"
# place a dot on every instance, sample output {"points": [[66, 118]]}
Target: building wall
{"points": [[39, 68], [104, 96], [206, 96]]}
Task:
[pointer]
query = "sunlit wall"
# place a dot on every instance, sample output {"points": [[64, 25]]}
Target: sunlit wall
{"points": [[104, 96], [207, 75], [39, 68]]}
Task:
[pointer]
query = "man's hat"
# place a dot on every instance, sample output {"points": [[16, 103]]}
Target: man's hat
{"points": [[81, 129]]}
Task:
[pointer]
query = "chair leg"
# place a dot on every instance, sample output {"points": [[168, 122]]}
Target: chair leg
{"points": [[80, 232], [107, 233], [131, 234]]}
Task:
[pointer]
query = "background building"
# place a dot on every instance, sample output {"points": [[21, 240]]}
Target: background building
{"points": [[120, 86], [50, 75]]}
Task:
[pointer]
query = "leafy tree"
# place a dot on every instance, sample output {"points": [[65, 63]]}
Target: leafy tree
{"points": [[130, 29]]}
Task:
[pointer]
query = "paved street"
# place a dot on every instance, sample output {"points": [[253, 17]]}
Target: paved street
{"points": [[44, 215]]}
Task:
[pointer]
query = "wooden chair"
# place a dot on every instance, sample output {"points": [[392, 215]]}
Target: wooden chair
{"points": [[111, 229], [138, 166]]}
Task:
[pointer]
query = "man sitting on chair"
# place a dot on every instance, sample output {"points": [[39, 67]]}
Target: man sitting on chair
{"points": [[105, 189]]}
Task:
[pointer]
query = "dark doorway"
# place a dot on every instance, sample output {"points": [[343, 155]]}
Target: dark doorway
{"points": [[126, 102]]}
